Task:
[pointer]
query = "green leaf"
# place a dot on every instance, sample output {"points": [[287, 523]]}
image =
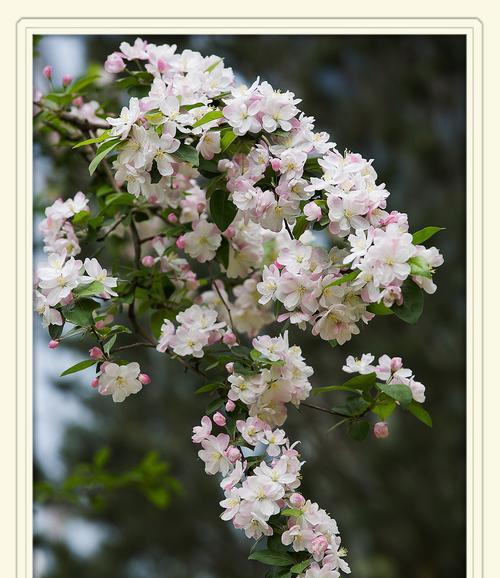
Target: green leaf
{"points": [[397, 391], [420, 413], [188, 154], [223, 253], [80, 312], [212, 115], [89, 141], [272, 558], [413, 304], [208, 387], [345, 278], [93, 288], [222, 210], [379, 309], [419, 266], [359, 429], [79, 366], [362, 382], [300, 567], [55, 331], [82, 83], [227, 137], [421, 236], [81, 218], [119, 199], [101, 152], [214, 65], [385, 409], [356, 405], [109, 344], [326, 388], [300, 227], [101, 457], [214, 405], [295, 512]]}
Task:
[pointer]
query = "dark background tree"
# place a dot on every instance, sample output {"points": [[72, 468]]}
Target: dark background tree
{"points": [[400, 502]]}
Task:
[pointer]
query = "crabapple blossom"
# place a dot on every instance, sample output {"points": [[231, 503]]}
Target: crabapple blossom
{"points": [[119, 381]]}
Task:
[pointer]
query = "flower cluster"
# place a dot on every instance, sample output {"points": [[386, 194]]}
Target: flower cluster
{"points": [[259, 465], [389, 370], [198, 327], [279, 174], [57, 229]]}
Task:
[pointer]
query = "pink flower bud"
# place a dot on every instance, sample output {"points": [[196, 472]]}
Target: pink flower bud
{"points": [[67, 79], [396, 364], [381, 430], [213, 337], [144, 378], [230, 232], [229, 338], [148, 261], [53, 344], [180, 243], [47, 72], [219, 419], [297, 500], [276, 164], [229, 367], [78, 101], [278, 264], [100, 324], [114, 63], [319, 546], [200, 207], [230, 405], [312, 212], [95, 353], [94, 382], [161, 65], [172, 218], [233, 454]]}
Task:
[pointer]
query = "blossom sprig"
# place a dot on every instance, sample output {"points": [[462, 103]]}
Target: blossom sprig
{"points": [[234, 212]]}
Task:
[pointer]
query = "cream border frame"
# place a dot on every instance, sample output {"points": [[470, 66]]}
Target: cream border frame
{"points": [[471, 28]]}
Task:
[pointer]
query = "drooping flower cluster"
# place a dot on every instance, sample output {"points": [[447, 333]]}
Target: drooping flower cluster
{"points": [[259, 465]]}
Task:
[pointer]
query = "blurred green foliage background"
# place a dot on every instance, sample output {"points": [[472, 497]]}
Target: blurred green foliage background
{"points": [[400, 502]]}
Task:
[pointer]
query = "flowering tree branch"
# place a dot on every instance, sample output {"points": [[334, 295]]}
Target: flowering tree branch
{"points": [[235, 177]]}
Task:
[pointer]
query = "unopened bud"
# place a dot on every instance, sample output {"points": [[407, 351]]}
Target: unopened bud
{"points": [[148, 261], [144, 378], [94, 383], [67, 79], [233, 454], [297, 500], [229, 338], [230, 405], [381, 430], [219, 419], [95, 353], [229, 367], [180, 243], [47, 72], [172, 218], [78, 101], [53, 344]]}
